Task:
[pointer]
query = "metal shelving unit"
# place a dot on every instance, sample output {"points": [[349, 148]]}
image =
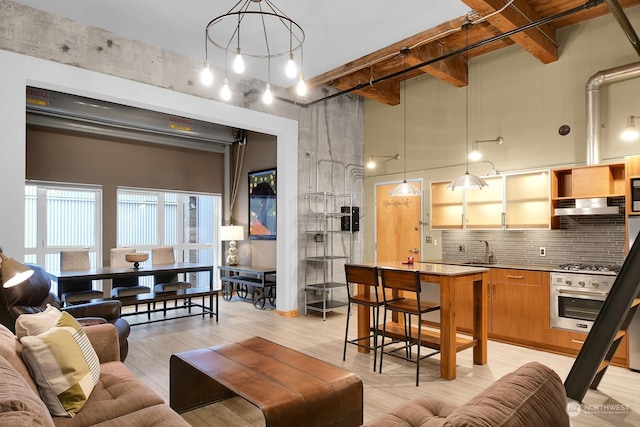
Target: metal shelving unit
{"points": [[328, 246]]}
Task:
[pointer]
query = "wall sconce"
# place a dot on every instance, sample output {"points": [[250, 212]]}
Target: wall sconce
{"points": [[231, 233], [630, 133], [371, 163], [13, 273], [476, 154]]}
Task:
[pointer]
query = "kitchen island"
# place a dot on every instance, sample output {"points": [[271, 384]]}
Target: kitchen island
{"points": [[448, 277]]}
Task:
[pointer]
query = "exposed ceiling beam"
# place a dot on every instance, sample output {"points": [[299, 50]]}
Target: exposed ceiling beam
{"points": [[539, 42]]}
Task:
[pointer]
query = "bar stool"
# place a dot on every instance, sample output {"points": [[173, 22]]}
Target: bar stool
{"points": [[366, 278], [409, 305]]}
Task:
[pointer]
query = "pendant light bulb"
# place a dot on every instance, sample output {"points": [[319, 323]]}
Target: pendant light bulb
{"points": [[301, 87], [206, 76], [238, 63], [291, 70], [631, 132], [267, 97], [225, 92]]}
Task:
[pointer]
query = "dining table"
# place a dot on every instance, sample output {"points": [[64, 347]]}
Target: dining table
{"points": [[447, 339], [109, 273]]}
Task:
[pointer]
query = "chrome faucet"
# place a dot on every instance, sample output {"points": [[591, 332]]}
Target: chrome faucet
{"points": [[488, 254]]}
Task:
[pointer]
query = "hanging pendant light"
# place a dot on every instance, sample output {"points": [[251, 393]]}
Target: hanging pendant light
{"points": [[467, 180], [404, 189]]}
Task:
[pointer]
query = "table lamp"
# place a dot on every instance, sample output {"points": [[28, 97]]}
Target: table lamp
{"points": [[13, 273], [231, 233]]}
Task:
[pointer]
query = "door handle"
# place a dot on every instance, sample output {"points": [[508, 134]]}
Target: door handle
{"points": [[414, 250]]}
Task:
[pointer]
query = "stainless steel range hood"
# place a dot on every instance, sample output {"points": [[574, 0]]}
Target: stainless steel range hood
{"points": [[593, 206]]}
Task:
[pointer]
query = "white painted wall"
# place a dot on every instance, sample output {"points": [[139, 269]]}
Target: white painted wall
{"points": [[19, 71]]}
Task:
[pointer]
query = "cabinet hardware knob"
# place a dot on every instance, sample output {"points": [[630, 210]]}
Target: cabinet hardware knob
{"points": [[509, 276], [577, 341]]}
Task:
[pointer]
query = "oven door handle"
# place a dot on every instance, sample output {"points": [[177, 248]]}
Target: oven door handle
{"points": [[585, 293]]}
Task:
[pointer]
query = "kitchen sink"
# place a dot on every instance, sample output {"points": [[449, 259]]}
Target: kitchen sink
{"points": [[478, 263]]}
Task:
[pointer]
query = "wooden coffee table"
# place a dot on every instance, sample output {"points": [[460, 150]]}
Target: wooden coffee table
{"points": [[289, 387]]}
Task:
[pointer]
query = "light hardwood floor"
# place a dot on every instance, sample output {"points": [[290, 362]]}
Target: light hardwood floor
{"points": [[150, 347]]}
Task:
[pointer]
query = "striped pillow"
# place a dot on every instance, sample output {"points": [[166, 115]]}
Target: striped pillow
{"points": [[61, 360]]}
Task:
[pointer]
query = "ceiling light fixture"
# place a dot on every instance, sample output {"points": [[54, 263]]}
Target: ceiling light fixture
{"points": [[404, 189], [248, 20], [371, 163], [631, 132], [476, 154], [467, 180]]}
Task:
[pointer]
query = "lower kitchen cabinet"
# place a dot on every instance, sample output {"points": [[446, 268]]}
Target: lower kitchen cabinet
{"points": [[519, 314], [569, 342], [518, 301]]}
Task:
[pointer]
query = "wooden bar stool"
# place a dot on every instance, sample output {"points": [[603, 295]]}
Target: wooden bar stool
{"points": [[409, 305], [366, 280]]}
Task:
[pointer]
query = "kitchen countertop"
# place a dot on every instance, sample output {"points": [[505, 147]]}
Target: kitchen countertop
{"points": [[435, 268], [531, 267]]}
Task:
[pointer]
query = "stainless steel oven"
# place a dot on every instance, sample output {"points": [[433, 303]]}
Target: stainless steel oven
{"points": [[576, 299]]}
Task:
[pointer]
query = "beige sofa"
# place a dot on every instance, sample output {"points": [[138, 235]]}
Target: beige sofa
{"points": [[532, 396], [119, 399]]}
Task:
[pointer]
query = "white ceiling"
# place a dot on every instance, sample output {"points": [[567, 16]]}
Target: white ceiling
{"points": [[337, 31]]}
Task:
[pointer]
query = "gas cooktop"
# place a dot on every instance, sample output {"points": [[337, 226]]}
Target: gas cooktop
{"points": [[611, 269]]}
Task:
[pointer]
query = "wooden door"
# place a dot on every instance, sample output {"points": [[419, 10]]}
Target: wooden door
{"points": [[397, 225]]}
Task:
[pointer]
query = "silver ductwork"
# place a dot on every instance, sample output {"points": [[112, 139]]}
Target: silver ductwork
{"points": [[592, 89]]}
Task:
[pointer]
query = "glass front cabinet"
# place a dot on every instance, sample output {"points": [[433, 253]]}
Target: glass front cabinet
{"points": [[510, 202]]}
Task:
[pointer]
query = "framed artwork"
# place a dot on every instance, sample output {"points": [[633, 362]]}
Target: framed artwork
{"points": [[262, 205]]}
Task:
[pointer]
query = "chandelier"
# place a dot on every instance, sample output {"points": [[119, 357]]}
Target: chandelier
{"points": [[256, 29]]}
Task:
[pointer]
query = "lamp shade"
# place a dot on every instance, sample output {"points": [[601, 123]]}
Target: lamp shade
{"points": [[467, 181], [13, 272], [231, 232]]}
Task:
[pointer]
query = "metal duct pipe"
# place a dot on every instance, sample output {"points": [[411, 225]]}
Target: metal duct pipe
{"points": [[592, 90]]}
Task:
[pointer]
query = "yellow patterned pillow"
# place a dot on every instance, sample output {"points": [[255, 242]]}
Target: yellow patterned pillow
{"points": [[61, 360]]}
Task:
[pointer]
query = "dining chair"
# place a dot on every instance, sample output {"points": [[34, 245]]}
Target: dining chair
{"points": [[79, 291], [166, 282], [125, 286], [408, 304], [365, 280]]}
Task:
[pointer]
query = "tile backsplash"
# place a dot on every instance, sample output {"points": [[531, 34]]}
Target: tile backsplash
{"points": [[598, 239]]}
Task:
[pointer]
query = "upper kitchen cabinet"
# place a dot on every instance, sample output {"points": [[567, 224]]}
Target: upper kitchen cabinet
{"points": [[513, 201], [527, 200], [484, 207], [446, 207], [588, 181], [580, 186]]}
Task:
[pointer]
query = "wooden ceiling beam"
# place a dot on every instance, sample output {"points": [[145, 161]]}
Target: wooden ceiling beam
{"points": [[540, 42], [452, 70], [386, 91]]}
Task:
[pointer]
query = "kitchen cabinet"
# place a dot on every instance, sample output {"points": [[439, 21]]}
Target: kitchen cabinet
{"points": [[585, 182], [484, 207], [446, 207], [570, 343], [527, 200], [518, 301], [513, 201]]}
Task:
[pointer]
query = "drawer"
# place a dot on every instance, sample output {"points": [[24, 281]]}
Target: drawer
{"points": [[500, 275]]}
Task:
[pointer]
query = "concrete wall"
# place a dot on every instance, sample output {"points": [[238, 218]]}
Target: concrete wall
{"points": [[513, 95], [106, 66]]}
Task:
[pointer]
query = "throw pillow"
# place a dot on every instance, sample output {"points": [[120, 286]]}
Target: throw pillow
{"points": [[60, 358]]}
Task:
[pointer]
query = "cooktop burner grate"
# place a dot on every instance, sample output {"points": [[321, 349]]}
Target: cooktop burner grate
{"points": [[599, 268]]}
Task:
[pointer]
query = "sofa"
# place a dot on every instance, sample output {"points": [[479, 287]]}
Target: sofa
{"points": [[531, 396], [34, 296], [118, 399]]}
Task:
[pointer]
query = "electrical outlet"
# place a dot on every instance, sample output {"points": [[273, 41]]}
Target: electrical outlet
{"points": [[543, 251], [461, 249]]}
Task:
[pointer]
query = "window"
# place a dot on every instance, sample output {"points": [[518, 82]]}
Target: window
{"points": [[186, 221], [59, 217]]}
